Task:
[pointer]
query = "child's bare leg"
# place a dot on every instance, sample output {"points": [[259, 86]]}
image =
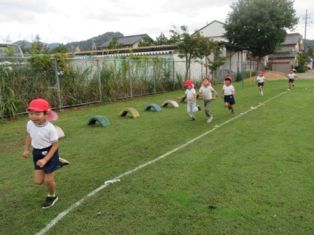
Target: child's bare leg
{"points": [[51, 183], [39, 176], [231, 108]]}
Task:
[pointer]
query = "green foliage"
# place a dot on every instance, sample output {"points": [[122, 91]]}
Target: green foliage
{"points": [[162, 40], [60, 49], [114, 43], [189, 46], [303, 60], [146, 41], [259, 26]]}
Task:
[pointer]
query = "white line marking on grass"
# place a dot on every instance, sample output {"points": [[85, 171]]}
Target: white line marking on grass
{"points": [[117, 179]]}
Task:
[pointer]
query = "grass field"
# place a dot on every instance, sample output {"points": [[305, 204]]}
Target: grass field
{"points": [[254, 175]]}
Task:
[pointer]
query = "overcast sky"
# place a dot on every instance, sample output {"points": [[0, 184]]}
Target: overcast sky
{"points": [[75, 20]]}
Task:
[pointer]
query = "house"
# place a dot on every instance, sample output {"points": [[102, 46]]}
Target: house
{"points": [[235, 61], [287, 54], [131, 41]]}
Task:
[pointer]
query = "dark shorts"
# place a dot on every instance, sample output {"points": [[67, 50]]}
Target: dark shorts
{"points": [[51, 165], [291, 80], [229, 99], [260, 84]]}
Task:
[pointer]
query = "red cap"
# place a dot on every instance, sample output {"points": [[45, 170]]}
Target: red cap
{"points": [[188, 83], [39, 105], [228, 78], [42, 105]]}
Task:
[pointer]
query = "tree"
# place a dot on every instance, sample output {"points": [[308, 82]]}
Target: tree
{"points": [[38, 47], [146, 41], [303, 60], [114, 43], [211, 51], [161, 40], [189, 46], [259, 26], [59, 49]]}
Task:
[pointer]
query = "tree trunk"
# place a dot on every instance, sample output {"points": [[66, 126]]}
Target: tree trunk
{"points": [[187, 67]]}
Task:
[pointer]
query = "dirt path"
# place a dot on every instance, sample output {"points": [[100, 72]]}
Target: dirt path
{"points": [[273, 75]]}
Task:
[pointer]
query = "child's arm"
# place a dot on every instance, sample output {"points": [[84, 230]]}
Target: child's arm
{"points": [[27, 145], [214, 92], [42, 162]]}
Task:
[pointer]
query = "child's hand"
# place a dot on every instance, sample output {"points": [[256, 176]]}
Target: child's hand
{"points": [[25, 153], [41, 162]]}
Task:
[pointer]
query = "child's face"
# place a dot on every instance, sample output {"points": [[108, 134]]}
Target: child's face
{"points": [[227, 82], [37, 117]]}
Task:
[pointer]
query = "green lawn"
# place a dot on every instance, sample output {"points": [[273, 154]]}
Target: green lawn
{"points": [[256, 173]]}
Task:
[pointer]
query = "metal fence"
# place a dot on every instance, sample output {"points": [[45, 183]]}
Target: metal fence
{"points": [[70, 82], [78, 81]]}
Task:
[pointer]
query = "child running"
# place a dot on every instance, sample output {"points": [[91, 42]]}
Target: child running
{"points": [[291, 77], [208, 92], [260, 79], [190, 94], [228, 93], [43, 138]]}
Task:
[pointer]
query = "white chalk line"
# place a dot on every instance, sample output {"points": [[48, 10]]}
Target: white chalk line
{"points": [[114, 180]]}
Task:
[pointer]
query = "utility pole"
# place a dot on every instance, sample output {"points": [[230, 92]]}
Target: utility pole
{"points": [[305, 28]]}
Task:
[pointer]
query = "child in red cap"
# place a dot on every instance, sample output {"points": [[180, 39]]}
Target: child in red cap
{"points": [[43, 138], [229, 92], [208, 93], [190, 95]]}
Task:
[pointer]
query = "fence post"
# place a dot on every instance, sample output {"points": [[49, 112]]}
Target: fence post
{"points": [[58, 85], [155, 74], [173, 75], [99, 81], [130, 80]]}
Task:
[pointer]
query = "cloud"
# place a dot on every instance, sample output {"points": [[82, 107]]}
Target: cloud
{"points": [[22, 11]]}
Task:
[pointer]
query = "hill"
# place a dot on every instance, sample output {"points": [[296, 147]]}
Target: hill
{"points": [[93, 43], [309, 43]]}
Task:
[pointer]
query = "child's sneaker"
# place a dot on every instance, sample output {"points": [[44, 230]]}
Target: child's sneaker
{"points": [[49, 202], [209, 120], [193, 119], [63, 162]]}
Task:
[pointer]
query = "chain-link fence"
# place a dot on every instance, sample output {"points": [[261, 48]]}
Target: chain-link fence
{"points": [[78, 81], [70, 82]]}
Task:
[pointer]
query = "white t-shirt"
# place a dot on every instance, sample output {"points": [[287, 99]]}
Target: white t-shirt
{"points": [[292, 75], [42, 136], [207, 92], [228, 90], [260, 79], [190, 94]]}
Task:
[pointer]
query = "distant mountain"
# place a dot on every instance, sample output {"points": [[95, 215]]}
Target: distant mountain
{"points": [[23, 44], [309, 43], [54, 45], [93, 43]]}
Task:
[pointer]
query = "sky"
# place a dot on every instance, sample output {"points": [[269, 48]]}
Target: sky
{"points": [[65, 21]]}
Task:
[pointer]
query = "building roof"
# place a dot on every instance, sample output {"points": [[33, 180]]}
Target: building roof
{"points": [[283, 55], [126, 40], [149, 50], [291, 39], [214, 21]]}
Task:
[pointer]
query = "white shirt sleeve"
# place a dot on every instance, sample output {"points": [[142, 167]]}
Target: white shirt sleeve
{"points": [[53, 137]]}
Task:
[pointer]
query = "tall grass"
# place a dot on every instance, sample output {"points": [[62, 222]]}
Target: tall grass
{"points": [[69, 82]]}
